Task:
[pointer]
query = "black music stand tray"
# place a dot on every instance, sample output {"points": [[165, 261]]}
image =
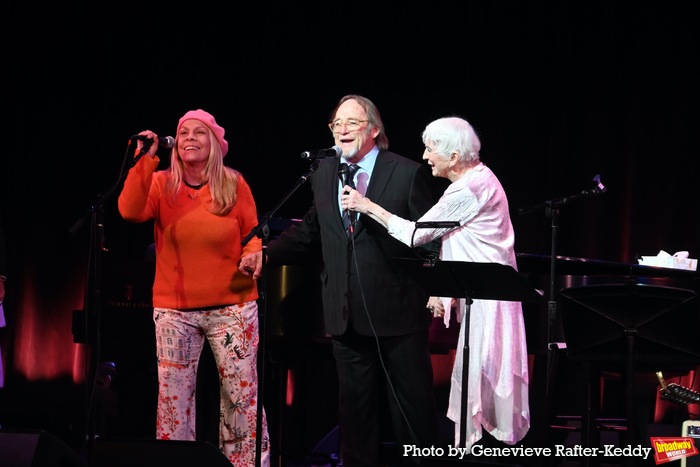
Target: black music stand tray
{"points": [[469, 280], [630, 326]]}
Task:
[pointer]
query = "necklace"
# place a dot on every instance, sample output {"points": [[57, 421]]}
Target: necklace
{"points": [[196, 189]]}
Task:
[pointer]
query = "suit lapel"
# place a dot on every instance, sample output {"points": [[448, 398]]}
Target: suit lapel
{"points": [[383, 168]]}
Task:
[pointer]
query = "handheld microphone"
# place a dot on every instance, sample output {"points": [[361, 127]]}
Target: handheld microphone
{"points": [[346, 179], [166, 141], [344, 173], [335, 151]]}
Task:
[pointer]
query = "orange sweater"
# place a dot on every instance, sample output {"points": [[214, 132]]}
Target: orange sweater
{"points": [[197, 252]]}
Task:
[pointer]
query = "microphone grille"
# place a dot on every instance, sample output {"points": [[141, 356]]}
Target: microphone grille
{"points": [[338, 151], [169, 142]]}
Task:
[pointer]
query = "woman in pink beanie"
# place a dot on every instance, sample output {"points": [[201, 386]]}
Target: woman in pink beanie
{"points": [[201, 211]]}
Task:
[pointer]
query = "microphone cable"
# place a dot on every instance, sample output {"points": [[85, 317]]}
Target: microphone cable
{"points": [[379, 349]]}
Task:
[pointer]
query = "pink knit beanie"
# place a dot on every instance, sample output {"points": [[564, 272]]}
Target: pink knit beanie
{"points": [[208, 120]]}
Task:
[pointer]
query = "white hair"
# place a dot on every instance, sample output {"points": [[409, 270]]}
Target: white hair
{"points": [[453, 134]]}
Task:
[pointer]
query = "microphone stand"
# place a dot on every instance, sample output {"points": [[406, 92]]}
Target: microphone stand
{"points": [[552, 208], [262, 230], [92, 313]]}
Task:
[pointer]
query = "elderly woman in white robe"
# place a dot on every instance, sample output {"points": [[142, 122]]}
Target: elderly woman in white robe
{"points": [[498, 365]]}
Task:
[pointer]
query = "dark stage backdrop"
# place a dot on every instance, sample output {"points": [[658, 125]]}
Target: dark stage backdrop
{"points": [[558, 91]]}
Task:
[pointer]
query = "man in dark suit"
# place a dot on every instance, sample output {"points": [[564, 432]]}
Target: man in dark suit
{"points": [[374, 311]]}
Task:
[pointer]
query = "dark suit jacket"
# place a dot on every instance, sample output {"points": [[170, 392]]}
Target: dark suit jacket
{"points": [[395, 302]]}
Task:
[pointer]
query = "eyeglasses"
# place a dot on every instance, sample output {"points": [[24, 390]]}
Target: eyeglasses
{"points": [[350, 125]]}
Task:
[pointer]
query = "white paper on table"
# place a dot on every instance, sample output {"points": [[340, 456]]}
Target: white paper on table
{"points": [[679, 260]]}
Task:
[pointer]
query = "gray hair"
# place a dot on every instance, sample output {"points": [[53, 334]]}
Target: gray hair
{"points": [[375, 120]]}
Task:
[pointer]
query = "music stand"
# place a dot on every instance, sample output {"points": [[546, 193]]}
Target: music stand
{"points": [[469, 280], [633, 325]]}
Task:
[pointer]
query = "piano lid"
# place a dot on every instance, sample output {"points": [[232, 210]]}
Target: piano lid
{"points": [[565, 265]]}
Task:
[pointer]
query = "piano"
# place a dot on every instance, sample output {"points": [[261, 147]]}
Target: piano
{"points": [[608, 318], [531, 264]]}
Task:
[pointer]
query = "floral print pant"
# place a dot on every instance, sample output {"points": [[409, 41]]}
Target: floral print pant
{"points": [[232, 333]]}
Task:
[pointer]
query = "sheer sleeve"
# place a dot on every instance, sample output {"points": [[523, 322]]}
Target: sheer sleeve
{"points": [[454, 205]]}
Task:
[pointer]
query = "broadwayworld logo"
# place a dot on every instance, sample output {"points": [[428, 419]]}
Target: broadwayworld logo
{"points": [[671, 449]]}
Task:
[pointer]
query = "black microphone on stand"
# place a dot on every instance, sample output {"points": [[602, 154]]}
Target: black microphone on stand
{"points": [[166, 141], [346, 179], [335, 151], [597, 189]]}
